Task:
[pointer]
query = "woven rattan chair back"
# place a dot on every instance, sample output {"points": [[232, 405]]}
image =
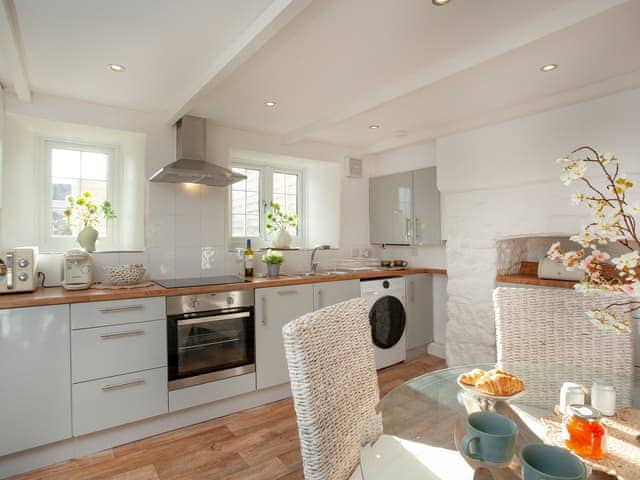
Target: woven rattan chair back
{"points": [[335, 387], [548, 330]]}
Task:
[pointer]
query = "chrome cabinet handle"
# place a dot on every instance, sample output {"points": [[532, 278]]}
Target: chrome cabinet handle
{"points": [[417, 233], [263, 301], [408, 229], [9, 271], [287, 292], [130, 308], [118, 386], [319, 298], [217, 318], [130, 333]]}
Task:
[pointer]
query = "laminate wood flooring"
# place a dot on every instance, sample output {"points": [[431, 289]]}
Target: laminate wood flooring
{"points": [[256, 444]]}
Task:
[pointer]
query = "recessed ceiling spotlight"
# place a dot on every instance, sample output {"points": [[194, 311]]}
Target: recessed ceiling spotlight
{"points": [[439, 3], [270, 104], [114, 67], [548, 67], [374, 127]]}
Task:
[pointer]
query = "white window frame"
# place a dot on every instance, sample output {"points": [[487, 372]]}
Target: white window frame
{"points": [[266, 194], [54, 243]]}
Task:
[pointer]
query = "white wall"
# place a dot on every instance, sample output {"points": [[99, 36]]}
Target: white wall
{"points": [[501, 181], [185, 224], [414, 157]]}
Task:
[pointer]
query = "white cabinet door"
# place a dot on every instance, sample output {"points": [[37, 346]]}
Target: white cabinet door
{"points": [[330, 293], [419, 310], [276, 307], [35, 377], [426, 208], [390, 216]]}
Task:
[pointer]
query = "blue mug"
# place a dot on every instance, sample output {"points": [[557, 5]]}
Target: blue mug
{"points": [[490, 437], [546, 462]]}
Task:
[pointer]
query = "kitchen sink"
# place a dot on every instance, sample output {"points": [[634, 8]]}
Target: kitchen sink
{"points": [[322, 273]]}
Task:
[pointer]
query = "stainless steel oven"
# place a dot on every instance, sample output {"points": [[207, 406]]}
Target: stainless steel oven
{"points": [[210, 337]]}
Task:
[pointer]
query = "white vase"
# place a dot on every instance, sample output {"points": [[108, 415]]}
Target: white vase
{"points": [[282, 239], [87, 239]]}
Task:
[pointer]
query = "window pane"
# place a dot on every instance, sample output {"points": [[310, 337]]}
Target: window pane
{"points": [[291, 206], [291, 184], [237, 225], [94, 165], [253, 225], [65, 163], [253, 203], [253, 180], [59, 224], [97, 188], [238, 202], [61, 188], [278, 183], [279, 199]]}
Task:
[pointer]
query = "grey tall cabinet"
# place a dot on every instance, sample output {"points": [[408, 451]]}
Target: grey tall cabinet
{"points": [[404, 208]]}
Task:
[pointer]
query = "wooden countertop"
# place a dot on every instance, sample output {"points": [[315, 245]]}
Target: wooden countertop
{"points": [[60, 296]]}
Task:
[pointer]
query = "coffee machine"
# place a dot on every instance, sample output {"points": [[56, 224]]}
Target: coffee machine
{"points": [[77, 270]]}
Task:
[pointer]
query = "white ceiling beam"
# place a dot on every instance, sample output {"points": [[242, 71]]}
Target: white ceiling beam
{"points": [[11, 40], [259, 32], [588, 92], [564, 16]]}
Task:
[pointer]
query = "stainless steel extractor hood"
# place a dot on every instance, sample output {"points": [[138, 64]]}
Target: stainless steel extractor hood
{"points": [[190, 165]]}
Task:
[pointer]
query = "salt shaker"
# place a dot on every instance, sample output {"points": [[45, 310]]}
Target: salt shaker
{"points": [[571, 394], [603, 397]]}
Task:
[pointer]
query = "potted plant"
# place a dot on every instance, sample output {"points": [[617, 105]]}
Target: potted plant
{"points": [[83, 212], [280, 222], [273, 261], [613, 221]]}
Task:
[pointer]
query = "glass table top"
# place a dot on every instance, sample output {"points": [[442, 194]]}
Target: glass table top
{"points": [[421, 416]]}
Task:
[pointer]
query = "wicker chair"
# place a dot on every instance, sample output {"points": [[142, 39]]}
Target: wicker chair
{"points": [[547, 327], [335, 388]]}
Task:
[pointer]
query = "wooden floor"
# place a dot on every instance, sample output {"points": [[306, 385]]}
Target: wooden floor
{"points": [[261, 443]]}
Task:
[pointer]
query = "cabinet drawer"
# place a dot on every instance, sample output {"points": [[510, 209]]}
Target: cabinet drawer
{"points": [[99, 314], [115, 350], [114, 401]]}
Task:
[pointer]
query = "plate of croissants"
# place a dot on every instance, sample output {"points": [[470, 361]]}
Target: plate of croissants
{"points": [[492, 384]]}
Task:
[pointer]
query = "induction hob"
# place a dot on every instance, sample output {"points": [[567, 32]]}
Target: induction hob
{"points": [[199, 282]]}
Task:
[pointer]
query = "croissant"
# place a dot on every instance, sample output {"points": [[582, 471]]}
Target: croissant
{"points": [[498, 382], [470, 378]]}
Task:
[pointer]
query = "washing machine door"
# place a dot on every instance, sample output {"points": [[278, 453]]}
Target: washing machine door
{"points": [[388, 319]]}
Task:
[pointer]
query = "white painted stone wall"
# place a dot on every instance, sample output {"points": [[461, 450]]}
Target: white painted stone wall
{"points": [[502, 181]]}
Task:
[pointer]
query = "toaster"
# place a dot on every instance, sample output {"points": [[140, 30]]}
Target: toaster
{"points": [[18, 269]]}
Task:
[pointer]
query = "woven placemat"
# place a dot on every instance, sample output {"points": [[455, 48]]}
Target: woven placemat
{"points": [[623, 457], [104, 286]]}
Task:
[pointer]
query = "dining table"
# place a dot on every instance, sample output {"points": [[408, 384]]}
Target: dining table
{"points": [[424, 421]]}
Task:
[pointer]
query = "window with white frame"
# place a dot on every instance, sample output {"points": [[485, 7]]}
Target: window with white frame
{"points": [[251, 197], [72, 170]]}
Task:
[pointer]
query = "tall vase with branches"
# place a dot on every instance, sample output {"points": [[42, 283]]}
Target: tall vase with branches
{"points": [[613, 221]]}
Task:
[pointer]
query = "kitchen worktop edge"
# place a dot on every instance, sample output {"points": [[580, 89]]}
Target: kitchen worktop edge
{"points": [[60, 296]]}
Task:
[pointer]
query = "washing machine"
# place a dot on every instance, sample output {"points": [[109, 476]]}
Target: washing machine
{"points": [[388, 318]]}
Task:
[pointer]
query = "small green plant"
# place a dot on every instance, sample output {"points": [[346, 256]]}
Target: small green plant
{"points": [[87, 213], [273, 258], [278, 220]]}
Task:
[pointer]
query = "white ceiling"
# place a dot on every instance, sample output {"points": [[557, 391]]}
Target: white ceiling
{"points": [[333, 66]]}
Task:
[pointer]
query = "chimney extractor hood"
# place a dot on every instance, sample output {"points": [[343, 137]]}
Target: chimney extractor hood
{"points": [[190, 165]]}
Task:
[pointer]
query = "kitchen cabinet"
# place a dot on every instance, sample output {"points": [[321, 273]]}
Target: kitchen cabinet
{"points": [[330, 293], [274, 308], [419, 310], [390, 209], [35, 378], [404, 208], [426, 208]]}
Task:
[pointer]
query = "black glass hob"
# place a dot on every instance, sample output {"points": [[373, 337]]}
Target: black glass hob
{"points": [[199, 281]]}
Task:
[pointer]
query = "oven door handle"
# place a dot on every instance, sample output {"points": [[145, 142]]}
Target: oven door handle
{"points": [[213, 318]]}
